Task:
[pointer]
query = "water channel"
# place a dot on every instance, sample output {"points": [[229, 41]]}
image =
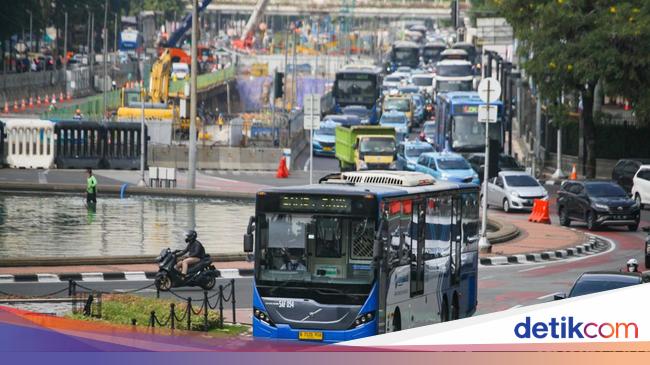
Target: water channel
{"points": [[59, 225]]}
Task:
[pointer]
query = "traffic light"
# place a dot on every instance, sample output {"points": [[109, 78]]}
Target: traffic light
{"points": [[278, 85], [495, 151], [454, 13]]}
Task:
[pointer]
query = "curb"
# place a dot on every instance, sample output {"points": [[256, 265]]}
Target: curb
{"points": [[593, 245], [107, 276], [505, 231], [105, 260], [29, 187]]}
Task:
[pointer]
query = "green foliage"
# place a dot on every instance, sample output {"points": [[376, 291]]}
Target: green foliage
{"points": [[122, 308]]}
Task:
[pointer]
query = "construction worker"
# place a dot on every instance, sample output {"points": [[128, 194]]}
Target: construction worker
{"points": [[91, 188], [220, 121]]}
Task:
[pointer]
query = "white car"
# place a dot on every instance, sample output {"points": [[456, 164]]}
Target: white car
{"points": [[180, 70], [514, 190], [391, 82], [641, 186], [424, 82]]}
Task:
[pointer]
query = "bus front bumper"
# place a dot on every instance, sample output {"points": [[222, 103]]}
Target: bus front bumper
{"points": [[283, 331]]}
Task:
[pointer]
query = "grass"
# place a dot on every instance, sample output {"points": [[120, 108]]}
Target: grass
{"points": [[123, 309]]}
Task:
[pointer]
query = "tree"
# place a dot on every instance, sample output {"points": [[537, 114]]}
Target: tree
{"points": [[571, 46], [168, 7]]}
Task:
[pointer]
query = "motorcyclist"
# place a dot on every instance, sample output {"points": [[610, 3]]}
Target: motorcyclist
{"points": [[632, 266], [195, 252]]}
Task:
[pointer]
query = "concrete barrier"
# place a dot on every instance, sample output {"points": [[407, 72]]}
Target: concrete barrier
{"points": [[215, 158], [30, 143]]}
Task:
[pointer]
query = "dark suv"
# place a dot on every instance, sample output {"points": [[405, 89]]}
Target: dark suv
{"points": [[597, 203], [624, 172]]}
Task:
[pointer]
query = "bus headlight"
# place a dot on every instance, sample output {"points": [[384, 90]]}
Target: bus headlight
{"points": [[363, 319], [263, 316]]}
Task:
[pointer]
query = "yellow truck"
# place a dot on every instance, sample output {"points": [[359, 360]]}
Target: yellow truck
{"points": [[365, 147]]}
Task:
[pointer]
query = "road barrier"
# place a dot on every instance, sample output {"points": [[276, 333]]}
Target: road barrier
{"points": [[540, 213], [91, 108], [30, 143], [78, 144], [122, 145]]}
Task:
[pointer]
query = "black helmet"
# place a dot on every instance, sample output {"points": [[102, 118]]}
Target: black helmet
{"points": [[190, 235]]}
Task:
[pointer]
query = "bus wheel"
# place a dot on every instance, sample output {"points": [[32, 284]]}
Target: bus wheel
{"points": [[397, 321], [455, 308], [444, 311]]}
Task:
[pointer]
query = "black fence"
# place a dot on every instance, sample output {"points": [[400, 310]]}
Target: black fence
{"points": [[113, 145], [88, 301]]}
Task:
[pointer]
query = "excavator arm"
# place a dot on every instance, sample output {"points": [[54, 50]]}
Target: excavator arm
{"points": [[159, 81], [258, 12]]}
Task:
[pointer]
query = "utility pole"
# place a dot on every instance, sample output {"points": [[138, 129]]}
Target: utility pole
{"points": [[191, 181], [105, 56], [286, 64], [31, 36], [65, 43], [91, 53]]}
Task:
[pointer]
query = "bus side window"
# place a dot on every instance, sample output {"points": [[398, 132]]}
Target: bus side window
{"points": [[405, 226]]}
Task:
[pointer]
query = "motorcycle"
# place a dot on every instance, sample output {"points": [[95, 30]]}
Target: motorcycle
{"points": [[202, 274]]}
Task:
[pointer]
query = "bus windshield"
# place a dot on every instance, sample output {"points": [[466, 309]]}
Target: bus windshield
{"points": [[467, 132], [454, 70], [423, 81], [444, 86], [406, 56], [316, 248], [356, 91]]}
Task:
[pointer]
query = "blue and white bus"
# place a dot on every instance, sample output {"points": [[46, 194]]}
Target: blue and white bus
{"points": [[403, 53], [458, 128], [363, 253], [358, 85]]}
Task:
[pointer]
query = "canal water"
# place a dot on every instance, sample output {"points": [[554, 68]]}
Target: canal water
{"points": [[59, 225]]}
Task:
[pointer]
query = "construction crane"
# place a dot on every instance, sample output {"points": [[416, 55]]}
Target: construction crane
{"points": [[174, 39], [246, 38]]}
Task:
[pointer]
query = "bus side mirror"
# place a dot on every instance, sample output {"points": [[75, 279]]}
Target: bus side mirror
{"points": [[248, 237], [380, 241]]}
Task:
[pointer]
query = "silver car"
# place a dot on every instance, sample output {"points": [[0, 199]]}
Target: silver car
{"points": [[514, 190]]}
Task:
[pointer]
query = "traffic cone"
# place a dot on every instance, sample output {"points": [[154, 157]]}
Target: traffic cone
{"points": [[626, 106], [53, 98], [22, 104], [574, 173], [15, 106], [31, 102], [69, 96], [6, 108], [282, 172], [46, 101], [38, 100], [61, 99]]}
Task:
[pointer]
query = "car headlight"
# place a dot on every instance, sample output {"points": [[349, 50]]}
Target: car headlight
{"points": [[316, 144], [444, 175], [636, 204], [601, 206], [263, 316], [410, 165], [515, 194]]}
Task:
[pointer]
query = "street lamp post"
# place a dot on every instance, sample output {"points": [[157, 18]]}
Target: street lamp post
{"points": [[65, 43], [105, 56]]}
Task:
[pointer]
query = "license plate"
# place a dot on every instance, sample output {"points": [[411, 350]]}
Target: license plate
{"points": [[327, 148], [310, 336]]}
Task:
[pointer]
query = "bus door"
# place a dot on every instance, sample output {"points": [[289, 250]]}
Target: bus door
{"points": [[456, 238], [417, 247]]}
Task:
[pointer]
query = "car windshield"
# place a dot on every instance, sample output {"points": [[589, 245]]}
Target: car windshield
{"points": [[316, 249], [468, 132], [360, 112], [445, 86], [417, 151], [325, 131], [591, 285], [393, 79], [401, 105], [521, 181], [393, 120], [452, 164], [423, 81], [605, 190], [377, 145], [454, 70]]}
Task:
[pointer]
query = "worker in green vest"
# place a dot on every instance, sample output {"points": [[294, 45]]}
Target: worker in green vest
{"points": [[91, 188]]}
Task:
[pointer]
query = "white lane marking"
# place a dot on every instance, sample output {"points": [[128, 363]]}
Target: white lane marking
{"points": [[532, 268], [306, 167], [515, 307], [548, 295], [487, 277]]}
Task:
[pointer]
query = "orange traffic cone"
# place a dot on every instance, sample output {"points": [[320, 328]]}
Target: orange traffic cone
{"points": [[53, 98], [69, 96], [22, 104], [574, 173], [282, 172], [626, 106], [6, 108], [31, 102], [46, 100], [61, 99], [38, 100]]}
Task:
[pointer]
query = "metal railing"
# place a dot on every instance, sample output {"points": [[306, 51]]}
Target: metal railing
{"points": [[204, 81], [92, 108]]}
